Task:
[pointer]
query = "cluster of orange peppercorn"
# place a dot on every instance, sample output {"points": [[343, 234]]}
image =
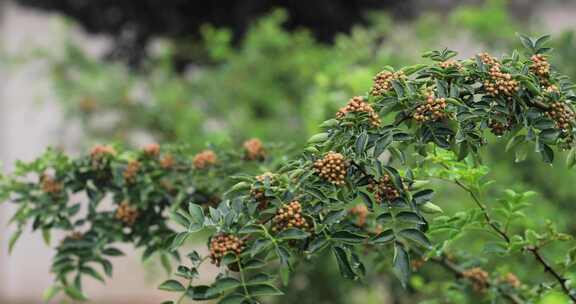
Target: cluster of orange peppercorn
{"points": [[511, 279], [100, 152], [74, 236], [152, 150], [358, 105], [540, 65], [223, 244], [450, 63], [258, 193], [204, 159], [478, 277], [433, 109], [562, 115], [167, 161], [499, 83], [49, 185], [131, 170], [383, 82], [289, 216], [254, 149], [384, 189], [360, 211], [126, 213], [332, 168]]}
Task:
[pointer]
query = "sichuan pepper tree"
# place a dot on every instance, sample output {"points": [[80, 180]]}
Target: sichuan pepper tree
{"points": [[358, 189]]}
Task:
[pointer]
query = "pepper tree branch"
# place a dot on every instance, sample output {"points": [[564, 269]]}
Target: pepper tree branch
{"points": [[532, 249], [444, 262]]}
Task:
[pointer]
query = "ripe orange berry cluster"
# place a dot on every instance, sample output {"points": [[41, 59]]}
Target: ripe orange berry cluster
{"points": [[100, 151], [383, 82], [551, 88], [74, 236], [332, 168], [562, 115], [450, 63], [433, 109], [254, 149], [50, 185], [361, 213], [126, 213], [204, 159], [357, 105], [384, 189], [499, 83], [152, 150], [478, 277], [289, 216], [131, 170], [511, 280], [258, 193], [540, 65], [223, 244], [167, 161]]}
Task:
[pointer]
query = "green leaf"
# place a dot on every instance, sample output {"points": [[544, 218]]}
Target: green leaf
{"points": [[223, 284], [50, 293], [526, 41], [46, 236], [91, 272], [171, 285], [75, 293], [416, 236], [430, 208], [292, 234], [423, 196], [343, 262], [549, 136], [547, 153], [515, 141], [317, 244], [232, 299], [384, 218], [264, 290], [259, 278], [334, 216], [571, 158], [111, 251], [165, 261], [381, 144], [409, 217], [179, 240], [250, 229], [361, 143], [196, 213], [180, 219], [401, 264], [254, 264], [318, 138], [348, 237], [259, 245], [15, 236], [383, 237]]}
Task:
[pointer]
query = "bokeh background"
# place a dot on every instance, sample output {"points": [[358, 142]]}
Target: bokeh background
{"points": [[78, 72]]}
